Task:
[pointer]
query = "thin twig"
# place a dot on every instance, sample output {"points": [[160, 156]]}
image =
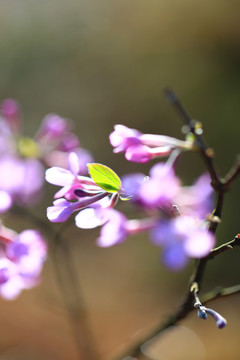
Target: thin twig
{"points": [[220, 186], [205, 151], [224, 247], [220, 292], [233, 173]]}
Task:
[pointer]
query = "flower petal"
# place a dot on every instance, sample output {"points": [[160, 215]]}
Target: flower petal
{"points": [[59, 176]]}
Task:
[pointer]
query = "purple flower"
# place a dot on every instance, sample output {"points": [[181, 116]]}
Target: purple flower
{"points": [[11, 112], [174, 257], [131, 184], [22, 159], [5, 201], [122, 137], [196, 200], [142, 148], [178, 213], [95, 215], [56, 141], [22, 181], [221, 322], [63, 209], [21, 261], [161, 188], [182, 237], [115, 229], [28, 251], [70, 180], [53, 126], [83, 193]]}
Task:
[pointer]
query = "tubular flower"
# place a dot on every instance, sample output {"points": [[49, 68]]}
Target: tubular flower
{"points": [[78, 193], [142, 148]]}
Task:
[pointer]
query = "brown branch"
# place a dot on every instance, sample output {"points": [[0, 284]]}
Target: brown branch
{"points": [[224, 247], [136, 350], [233, 173], [220, 186], [220, 292], [206, 152]]}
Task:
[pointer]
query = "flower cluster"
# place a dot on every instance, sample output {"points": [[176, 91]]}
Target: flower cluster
{"points": [[21, 260], [176, 216], [23, 159]]}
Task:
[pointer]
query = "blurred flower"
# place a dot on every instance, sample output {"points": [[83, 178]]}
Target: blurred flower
{"points": [[21, 260], [197, 199], [142, 148], [181, 238], [117, 227], [10, 110], [115, 230], [23, 159], [177, 221], [161, 188], [22, 180]]}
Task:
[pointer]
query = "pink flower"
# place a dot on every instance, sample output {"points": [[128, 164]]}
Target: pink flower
{"points": [[21, 260], [23, 180], [161, 188], [142, 148], [10, 110], [70, 180], [177, 223], [79, 192], [115, 229], [22, 159]]}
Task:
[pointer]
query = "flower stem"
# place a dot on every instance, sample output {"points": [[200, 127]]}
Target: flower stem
{"points": [[220, 186]]}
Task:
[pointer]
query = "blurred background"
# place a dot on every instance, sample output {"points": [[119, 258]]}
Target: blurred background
{"points": [[105, 62]]}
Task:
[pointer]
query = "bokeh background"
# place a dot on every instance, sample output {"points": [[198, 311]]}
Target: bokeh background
{"points": [[106, 62]]}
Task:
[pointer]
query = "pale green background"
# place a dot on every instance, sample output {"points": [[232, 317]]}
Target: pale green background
{"points": [[106, 62]]}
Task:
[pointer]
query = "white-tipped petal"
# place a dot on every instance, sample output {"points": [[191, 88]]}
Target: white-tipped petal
{"points": [[59, 176]]}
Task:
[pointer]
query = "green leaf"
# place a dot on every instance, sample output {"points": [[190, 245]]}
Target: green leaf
{"points": [[105, 177]]}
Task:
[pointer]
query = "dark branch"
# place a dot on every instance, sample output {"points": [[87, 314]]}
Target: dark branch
{"points": [[220, 292], [233, 173], [224, 247], [206, 152], [220, 186]]}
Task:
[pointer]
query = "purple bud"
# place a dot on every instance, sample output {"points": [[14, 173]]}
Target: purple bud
{"points": [[122, 137], [220, 321], [53, 126], [202, 313], [11, 112], [69, 142]]}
